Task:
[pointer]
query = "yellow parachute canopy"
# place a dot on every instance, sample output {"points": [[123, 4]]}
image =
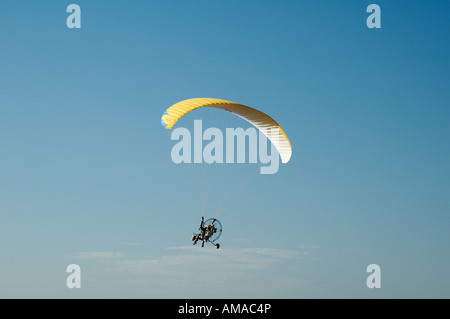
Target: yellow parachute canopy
{"points": [[260, 120]]}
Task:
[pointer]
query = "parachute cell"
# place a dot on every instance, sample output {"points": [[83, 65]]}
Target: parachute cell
{"points": [[260, 120]]}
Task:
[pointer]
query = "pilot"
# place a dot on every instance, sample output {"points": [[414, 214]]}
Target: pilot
{"points": [[200, 236]]}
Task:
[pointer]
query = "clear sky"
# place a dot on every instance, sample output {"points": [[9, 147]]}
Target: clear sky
{"points": [[86, 175]]}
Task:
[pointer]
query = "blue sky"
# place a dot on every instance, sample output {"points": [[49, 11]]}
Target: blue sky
{"points": [[86, 175]]}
